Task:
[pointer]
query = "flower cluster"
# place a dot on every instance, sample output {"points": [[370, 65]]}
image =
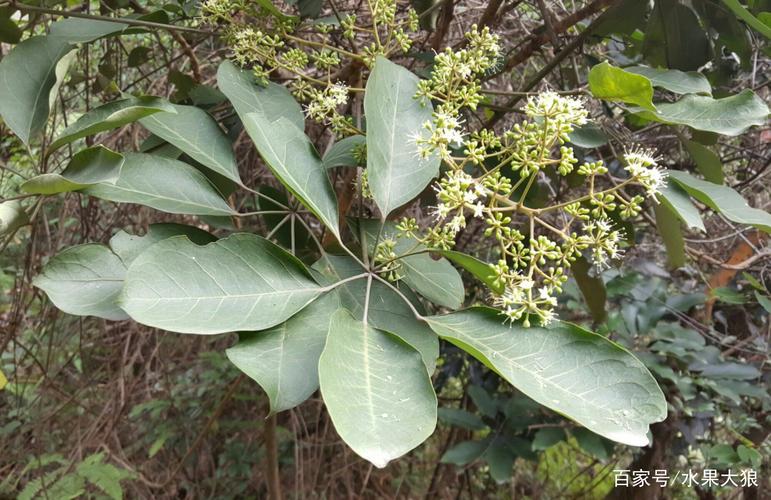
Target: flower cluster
{"points": [[642, 167], [266, 43], [454, 84], [535, 246], [387, 260], [323, 106]]}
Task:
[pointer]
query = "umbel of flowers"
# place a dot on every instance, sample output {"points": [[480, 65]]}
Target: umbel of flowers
{"points": [[490, 181], [487, 175]]}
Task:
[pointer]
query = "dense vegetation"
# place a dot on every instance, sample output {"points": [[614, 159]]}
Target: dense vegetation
{"points": [[445, 248]]}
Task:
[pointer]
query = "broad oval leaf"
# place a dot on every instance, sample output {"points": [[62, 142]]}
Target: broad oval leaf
{"points": [[284, 360], [395, 171], [9, 33], [242, 282], [674, 38], [87, 167], [668, 224], [461, 418], [341, 152], [12, 216], [678, 201], [707, 161], [129, 246], [674, 80], [84, 280], [723, 199], [465, 452], [195, 132], [588, 136], [728, 116], [164, 184], [291, 157], [376, 389], [109, 116], [76, 30], [577, 373], [248, 96], [481, 270], [614, 84], [592, 288], [387, 311], [27, 78]]}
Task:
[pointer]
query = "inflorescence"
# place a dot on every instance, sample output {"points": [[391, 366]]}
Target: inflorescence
{"points": [[488, 175]]}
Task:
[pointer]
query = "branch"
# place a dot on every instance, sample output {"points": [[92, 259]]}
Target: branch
{"points": [[132, 22], [542, 34]]}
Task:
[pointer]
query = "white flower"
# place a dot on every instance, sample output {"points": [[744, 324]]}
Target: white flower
{"points": [[441, 211], [479, 210], [338, 93], [547, 316], [641, 165], [562, 108], [640, 156]]}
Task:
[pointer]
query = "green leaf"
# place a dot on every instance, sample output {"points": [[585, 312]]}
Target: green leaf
{"points": [[387, 311], [728, 295], [482, 399], [104, 476], [748, 455], [376, 389], [164, 184], [87, 167], [291, 157], [724, 200], [12, 217], [129, 246], [9, 30], [242, 282], [592, 444], [435, 280], [547, 437], [574, 372], [681, 205], [461, 418], [248, 96], [592, 288], [77, 30], [674, 80], [500, 458], [27, 78], [764, 301], [284, 359], [84, 280], [465, 452], [138, 56], [668, 225], [481, 270], [588, 136], [396, 173], [707, 161], [745, 15], [341, 152], [616, 85], [728, 116], [273, 10], [195, 132], [674, 37], [109, 116]]}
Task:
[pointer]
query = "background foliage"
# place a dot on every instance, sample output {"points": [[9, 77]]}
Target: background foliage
{"points": [[102, 408]]}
